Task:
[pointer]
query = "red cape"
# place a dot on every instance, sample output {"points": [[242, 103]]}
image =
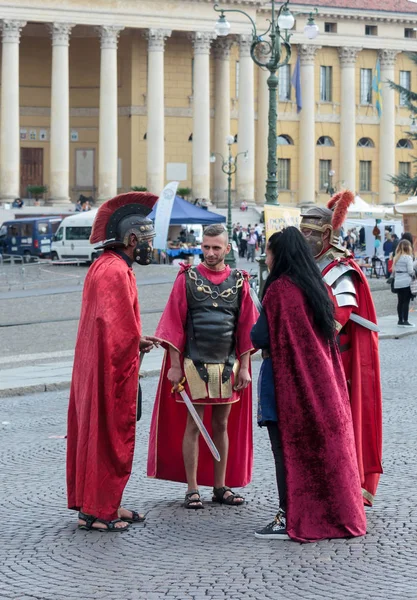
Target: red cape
{"points": [[165, 459], [102, 407], [323, 488], [363, 375]]}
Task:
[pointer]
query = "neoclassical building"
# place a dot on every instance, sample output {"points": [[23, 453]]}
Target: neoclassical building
{"points": [[97, 97]]}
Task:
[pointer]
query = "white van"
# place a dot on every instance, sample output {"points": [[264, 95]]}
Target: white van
{"points": [[72, 239]]}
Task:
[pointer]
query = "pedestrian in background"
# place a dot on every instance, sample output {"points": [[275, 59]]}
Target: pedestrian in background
{"points": [[404, 274], [387, 247], [252, 244], [308, 418]]}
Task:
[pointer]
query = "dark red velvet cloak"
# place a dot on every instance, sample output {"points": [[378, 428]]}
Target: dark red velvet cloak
{"points": [[102, 407], [323, 487], [165, 459], [362, 370]]}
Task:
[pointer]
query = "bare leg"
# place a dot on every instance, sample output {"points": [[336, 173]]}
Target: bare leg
{"points": [[220, 417], [190, 450]]}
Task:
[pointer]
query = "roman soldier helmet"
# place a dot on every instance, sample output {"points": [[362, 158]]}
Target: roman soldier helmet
{"points": [[121, 216], [331, 218]]}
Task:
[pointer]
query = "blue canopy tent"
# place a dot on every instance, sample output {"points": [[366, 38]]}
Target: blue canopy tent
{"points": [[184, 213]]}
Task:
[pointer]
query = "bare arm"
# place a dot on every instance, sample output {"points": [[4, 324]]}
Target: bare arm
{"points": [[175, 373]]}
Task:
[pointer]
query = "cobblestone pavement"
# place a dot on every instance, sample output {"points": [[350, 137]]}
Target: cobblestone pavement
{"points": [[180, 554]]}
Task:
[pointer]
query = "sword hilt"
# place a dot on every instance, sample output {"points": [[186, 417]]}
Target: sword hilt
{"points": [[180, 387]]}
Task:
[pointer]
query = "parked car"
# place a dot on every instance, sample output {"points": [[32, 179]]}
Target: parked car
{"points": [[29, 237], [72, 240]]}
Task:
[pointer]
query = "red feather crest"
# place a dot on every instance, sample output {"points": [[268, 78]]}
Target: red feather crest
{"points": [[340, 204], [98, 232]]}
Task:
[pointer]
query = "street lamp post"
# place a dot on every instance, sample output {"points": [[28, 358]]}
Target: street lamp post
{"points": [[229, 167], [271, 56], [330, 189]]}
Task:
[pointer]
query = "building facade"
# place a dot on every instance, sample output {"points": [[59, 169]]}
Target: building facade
{"points": [[99, 97]]}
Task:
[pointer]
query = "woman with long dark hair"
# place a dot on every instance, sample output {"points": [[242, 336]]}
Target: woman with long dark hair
{"points": [[304, 401]]}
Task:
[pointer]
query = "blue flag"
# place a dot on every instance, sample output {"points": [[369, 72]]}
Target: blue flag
{"points": [[296, 83], [377, 88]]}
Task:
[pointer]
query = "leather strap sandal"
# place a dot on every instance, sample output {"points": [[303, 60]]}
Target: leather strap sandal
{"points": [[110, 525], [218, 496], [135, 518], [193, 503]]}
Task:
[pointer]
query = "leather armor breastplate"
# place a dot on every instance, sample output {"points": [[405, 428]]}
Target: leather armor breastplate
{"points": [[211, 320]]}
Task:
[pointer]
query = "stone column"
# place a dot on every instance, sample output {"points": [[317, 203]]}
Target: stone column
{"points": [[307, 155], [155, 171], [387, 164], [59, 161], [201, 114], [221, 54], [9, 128], [245, 185], [262, 136], [108, 133], [347, 175]]}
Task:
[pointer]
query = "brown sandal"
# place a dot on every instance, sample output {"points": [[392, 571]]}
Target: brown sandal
{"points": [[218, 496], [193, 504]]}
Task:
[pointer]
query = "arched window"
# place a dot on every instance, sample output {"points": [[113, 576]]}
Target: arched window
{"points": [[284, 140], [325, 140], [366, 143], [404, 144]]}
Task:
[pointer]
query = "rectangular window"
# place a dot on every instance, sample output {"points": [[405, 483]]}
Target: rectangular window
{"points": [[237, 80], [192, 76], [78, 233], [27, 230], [284, 83], [410, 33], [366, 86], [330, 27], [325, 166], [404, 168], [371, 30], [365, 175], [284, 173], [405, 82], [326, 76]]}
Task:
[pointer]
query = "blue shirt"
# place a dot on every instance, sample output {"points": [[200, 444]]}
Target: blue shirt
{"points": [[267, 408]]}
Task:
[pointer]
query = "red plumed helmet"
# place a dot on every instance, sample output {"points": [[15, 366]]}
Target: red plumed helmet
{"points": [[339, 204], [126, 212]]}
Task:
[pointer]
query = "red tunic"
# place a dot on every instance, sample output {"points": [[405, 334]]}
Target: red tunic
{"points": [[360, 356], [102, 407], [165, 459], [323, 488]]}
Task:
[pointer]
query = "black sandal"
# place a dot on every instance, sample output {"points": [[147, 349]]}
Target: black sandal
{"points": [[110, 525], [192, 504], [135, 518], [218, 496]]}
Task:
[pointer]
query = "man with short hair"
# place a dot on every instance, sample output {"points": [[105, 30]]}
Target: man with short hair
{"points": [[252, 242], [103, 402], [205, 329]]}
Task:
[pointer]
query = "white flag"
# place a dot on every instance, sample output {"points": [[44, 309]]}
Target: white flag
{"points": [[163, 214]]}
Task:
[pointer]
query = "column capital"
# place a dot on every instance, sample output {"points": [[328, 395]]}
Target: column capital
{"points": [[156, 39], [60, 33], [387, 57], [11, 30], [109, 35], [202, 41], [348, 55], [245, 43], [307, 53], [221, 48]]}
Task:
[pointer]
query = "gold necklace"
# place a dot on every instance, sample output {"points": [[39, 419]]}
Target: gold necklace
{"points": [[206, 289]]}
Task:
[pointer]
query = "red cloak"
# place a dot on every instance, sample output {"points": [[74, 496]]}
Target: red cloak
{"points": [[323, 488], [169, 417], [102, 407], [362, 370]]}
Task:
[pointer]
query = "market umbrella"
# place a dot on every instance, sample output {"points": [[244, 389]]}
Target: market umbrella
{"points": [[360, 209]]}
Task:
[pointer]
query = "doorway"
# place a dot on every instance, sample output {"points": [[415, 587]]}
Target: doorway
{"points": [[31, 168]]}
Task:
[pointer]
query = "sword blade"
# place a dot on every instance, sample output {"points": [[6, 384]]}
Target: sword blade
{"points": [[200, 425], [364, 322]]}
